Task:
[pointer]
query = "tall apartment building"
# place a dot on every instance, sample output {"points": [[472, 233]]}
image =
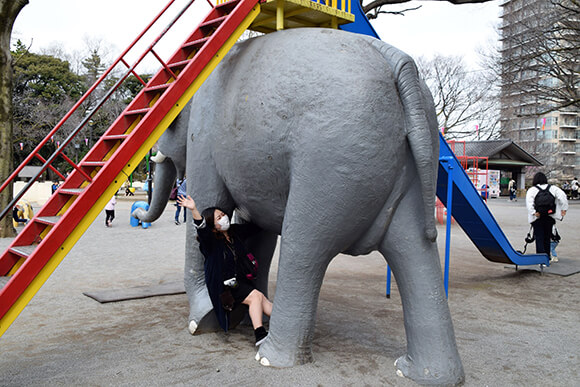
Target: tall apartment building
{"points": [[553, 138]]}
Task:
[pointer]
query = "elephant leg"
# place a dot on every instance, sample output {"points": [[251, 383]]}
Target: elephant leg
{"points": [[307, 247], [300, 274], [208, 191], [432, 356], [200, 317]]}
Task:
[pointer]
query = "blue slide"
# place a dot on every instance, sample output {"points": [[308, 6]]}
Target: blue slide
{"points": [[473, 215], [468, 208]]}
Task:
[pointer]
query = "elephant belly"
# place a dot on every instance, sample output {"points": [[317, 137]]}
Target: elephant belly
{"points": [[305, 107]]}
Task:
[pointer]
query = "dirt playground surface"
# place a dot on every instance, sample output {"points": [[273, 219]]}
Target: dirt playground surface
{"points": [[513, 328]]}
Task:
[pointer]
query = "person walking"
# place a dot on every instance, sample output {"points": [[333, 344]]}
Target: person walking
{"points": [[545, 204], [110, 211], [512, 190], [574, 186], [181, 191]]}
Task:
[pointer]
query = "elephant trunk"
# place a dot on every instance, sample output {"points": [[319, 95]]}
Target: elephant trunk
{"points": [[165, 173], [422, 143]]}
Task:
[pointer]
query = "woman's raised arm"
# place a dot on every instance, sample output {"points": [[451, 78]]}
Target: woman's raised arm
{"points": [[188, 202]]}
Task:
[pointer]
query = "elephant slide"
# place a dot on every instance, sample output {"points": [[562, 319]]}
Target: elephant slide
{"points": [[328, 139]]}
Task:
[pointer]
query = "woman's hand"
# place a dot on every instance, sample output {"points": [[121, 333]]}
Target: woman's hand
{"points": [[188, 202]]}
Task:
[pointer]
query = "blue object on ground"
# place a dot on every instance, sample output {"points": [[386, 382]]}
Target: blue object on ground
{"points": [[134, 221]]}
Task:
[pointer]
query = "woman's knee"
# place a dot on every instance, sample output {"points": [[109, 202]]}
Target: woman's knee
{"points": [[254, 296]]}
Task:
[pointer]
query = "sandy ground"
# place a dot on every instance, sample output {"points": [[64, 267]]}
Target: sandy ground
{"points": [[513, 328]]}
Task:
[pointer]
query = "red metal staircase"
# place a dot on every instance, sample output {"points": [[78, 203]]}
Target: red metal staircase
{"points": [[48, 237]]}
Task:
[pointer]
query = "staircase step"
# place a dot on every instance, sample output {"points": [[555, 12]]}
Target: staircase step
{"points": [[71, 191], [137, 112], [93, 163], [50, 220], [162, 86], [213, 22], [179, 64], [23, 251], [196, 43], [115, 137]]}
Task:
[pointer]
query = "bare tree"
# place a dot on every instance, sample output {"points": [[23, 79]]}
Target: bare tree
{"points": [[465, 101], [9, 10], [375, 8]]}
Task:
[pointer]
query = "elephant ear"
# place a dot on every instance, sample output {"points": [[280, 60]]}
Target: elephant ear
{"points": [[417, 127]]}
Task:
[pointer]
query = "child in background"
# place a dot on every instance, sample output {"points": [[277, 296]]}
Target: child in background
{"points": [[110, 211], [554, 241]]}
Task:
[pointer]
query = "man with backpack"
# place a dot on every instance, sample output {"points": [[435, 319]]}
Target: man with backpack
{"points": [[545, 204]]}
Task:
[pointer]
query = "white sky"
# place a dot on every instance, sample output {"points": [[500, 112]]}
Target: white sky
{"points": [[438, 27]]}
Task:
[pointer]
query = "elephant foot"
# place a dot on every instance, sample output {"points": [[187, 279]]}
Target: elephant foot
{"points": [[206, 324], [262, 360], [192, 327], [443, 374], [282, 356]]}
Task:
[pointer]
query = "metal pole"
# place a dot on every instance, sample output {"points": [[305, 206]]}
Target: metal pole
{"points": [[388, 281], [448, 224], [149, 179]]}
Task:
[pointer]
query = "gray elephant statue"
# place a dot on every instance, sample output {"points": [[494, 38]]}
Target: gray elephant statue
{"points": [[328, 139]]}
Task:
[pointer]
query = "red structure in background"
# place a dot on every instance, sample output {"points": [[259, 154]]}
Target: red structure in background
{"points": [[471, 166]]}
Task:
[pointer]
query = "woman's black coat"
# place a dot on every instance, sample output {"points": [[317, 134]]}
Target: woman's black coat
{"points": [[219, 263]]}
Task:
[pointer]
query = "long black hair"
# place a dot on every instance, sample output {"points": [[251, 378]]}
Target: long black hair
{"points": [[540, 178]]}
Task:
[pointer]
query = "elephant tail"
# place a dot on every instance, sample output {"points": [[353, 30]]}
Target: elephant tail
{"points": [[422, 142]]}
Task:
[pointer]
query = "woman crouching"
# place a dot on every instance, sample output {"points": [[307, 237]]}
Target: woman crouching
{"points": [[228, 265]]}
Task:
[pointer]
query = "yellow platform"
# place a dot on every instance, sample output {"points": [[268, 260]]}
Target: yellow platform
{"points": [[283, 14]]}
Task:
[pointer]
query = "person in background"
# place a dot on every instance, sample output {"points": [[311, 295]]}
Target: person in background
{"points": [[110, 211], [566, 189], [181, 191], [554, 241], [512, 190], [54, 186], [543, 221], [17, 217], [574, 186]]}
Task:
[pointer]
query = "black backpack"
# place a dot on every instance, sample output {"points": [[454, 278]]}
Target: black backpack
{"points": [[544, 202]]}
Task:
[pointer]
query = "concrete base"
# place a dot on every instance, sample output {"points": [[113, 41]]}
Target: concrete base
{"points": [[564, 267]]}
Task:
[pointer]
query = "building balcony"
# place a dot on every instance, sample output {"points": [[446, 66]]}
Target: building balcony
{"points": [[568, 152], [568, 113], [568, 126], [567, 139]]}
